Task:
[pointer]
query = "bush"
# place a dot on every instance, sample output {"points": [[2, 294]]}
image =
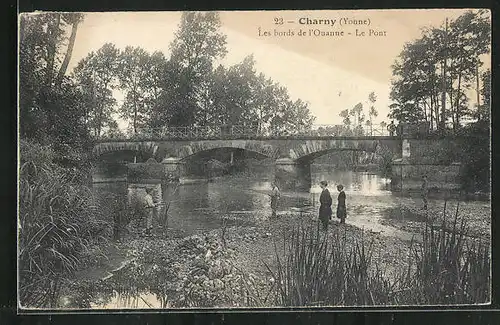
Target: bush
{"points": [[58, 221], [475, 174]]}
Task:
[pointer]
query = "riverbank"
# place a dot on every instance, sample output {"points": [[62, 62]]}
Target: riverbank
{"points": [[233, 266], [410, 216]]}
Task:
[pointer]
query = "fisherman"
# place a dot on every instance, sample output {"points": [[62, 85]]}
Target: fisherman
{"points": [[275, 196], [391, 128], [341, 207], [425, 191], [325, 208], [149, 207]]}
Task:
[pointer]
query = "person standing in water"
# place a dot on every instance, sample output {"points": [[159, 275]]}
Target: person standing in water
{"points": [[275, 196], [325, 208], [149, 206], [341, 207]]}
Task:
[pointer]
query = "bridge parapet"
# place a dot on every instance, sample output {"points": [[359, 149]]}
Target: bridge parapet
{"points": [[253, 131]]}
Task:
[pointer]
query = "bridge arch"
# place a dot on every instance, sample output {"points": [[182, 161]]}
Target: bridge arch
{"points": [[259, 147], [309, 150], [148, 149]]}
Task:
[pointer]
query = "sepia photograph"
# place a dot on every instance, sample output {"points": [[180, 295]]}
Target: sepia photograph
{"points": [[254, 159]]}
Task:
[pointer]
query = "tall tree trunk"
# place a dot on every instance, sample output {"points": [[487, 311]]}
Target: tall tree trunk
{"points": [[51, 50], [135, 114], [69, 52], [458, 101], [443, 104], [101, 114], [452, 109], [477, 90], [442, 120], [431, 112]]}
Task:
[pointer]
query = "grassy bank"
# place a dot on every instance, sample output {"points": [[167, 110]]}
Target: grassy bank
{"points": [[290, 262], [62, 226]]}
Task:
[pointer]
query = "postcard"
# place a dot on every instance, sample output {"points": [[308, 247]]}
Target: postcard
{"points": [[254, 159]]}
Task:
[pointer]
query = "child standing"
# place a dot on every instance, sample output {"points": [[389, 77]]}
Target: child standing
{"points": [[341, 207]]}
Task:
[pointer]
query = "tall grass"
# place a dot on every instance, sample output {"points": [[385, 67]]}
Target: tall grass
{"points": [[445, 267], [59, 221], [319, 270], [449, 266]]}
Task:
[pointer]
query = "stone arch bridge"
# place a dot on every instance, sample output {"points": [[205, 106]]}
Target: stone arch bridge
{"points": [[292, 155]]}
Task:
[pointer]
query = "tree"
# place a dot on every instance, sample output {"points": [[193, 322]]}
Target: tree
{"points": [[73, 19], [345, 116], [139, 75], [359, 117], [96, 75], [442, 63], [239, 92], [372, 98], [191, 92], [469, 38], [406, 113], [113, 130], [41, 46], [197, 44], [51, 105], [483, 112]]}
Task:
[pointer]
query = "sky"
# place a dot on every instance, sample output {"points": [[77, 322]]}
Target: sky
{"points": [[331, 73]]}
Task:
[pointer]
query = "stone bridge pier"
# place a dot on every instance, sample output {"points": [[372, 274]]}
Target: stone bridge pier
{"points": [[293, 174], [174, 168]]}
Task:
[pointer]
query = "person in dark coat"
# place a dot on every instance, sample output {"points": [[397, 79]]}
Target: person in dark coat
{"points": [[341, 207], [325, 208]]}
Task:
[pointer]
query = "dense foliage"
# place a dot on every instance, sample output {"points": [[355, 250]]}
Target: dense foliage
{"points": [[186, 89], [51, 107], [59, 223], [438, 81], [435, 75]]}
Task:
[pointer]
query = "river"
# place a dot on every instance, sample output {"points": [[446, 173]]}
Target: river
{"points": [[201, 206]]}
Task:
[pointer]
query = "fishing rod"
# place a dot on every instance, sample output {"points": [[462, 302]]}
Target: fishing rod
{"points": [[262, 192], [256, 191]]}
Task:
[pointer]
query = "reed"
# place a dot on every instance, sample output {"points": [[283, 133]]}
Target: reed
{"points": [[449, 266], [444, 267], [59, 221], [318, 270]]}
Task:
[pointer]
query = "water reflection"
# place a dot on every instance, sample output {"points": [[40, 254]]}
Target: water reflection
{"points": [[359, 183], [197, 207], [143, 300]]}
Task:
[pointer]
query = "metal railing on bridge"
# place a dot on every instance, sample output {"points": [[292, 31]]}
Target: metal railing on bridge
{"points": [[250, 131]]}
